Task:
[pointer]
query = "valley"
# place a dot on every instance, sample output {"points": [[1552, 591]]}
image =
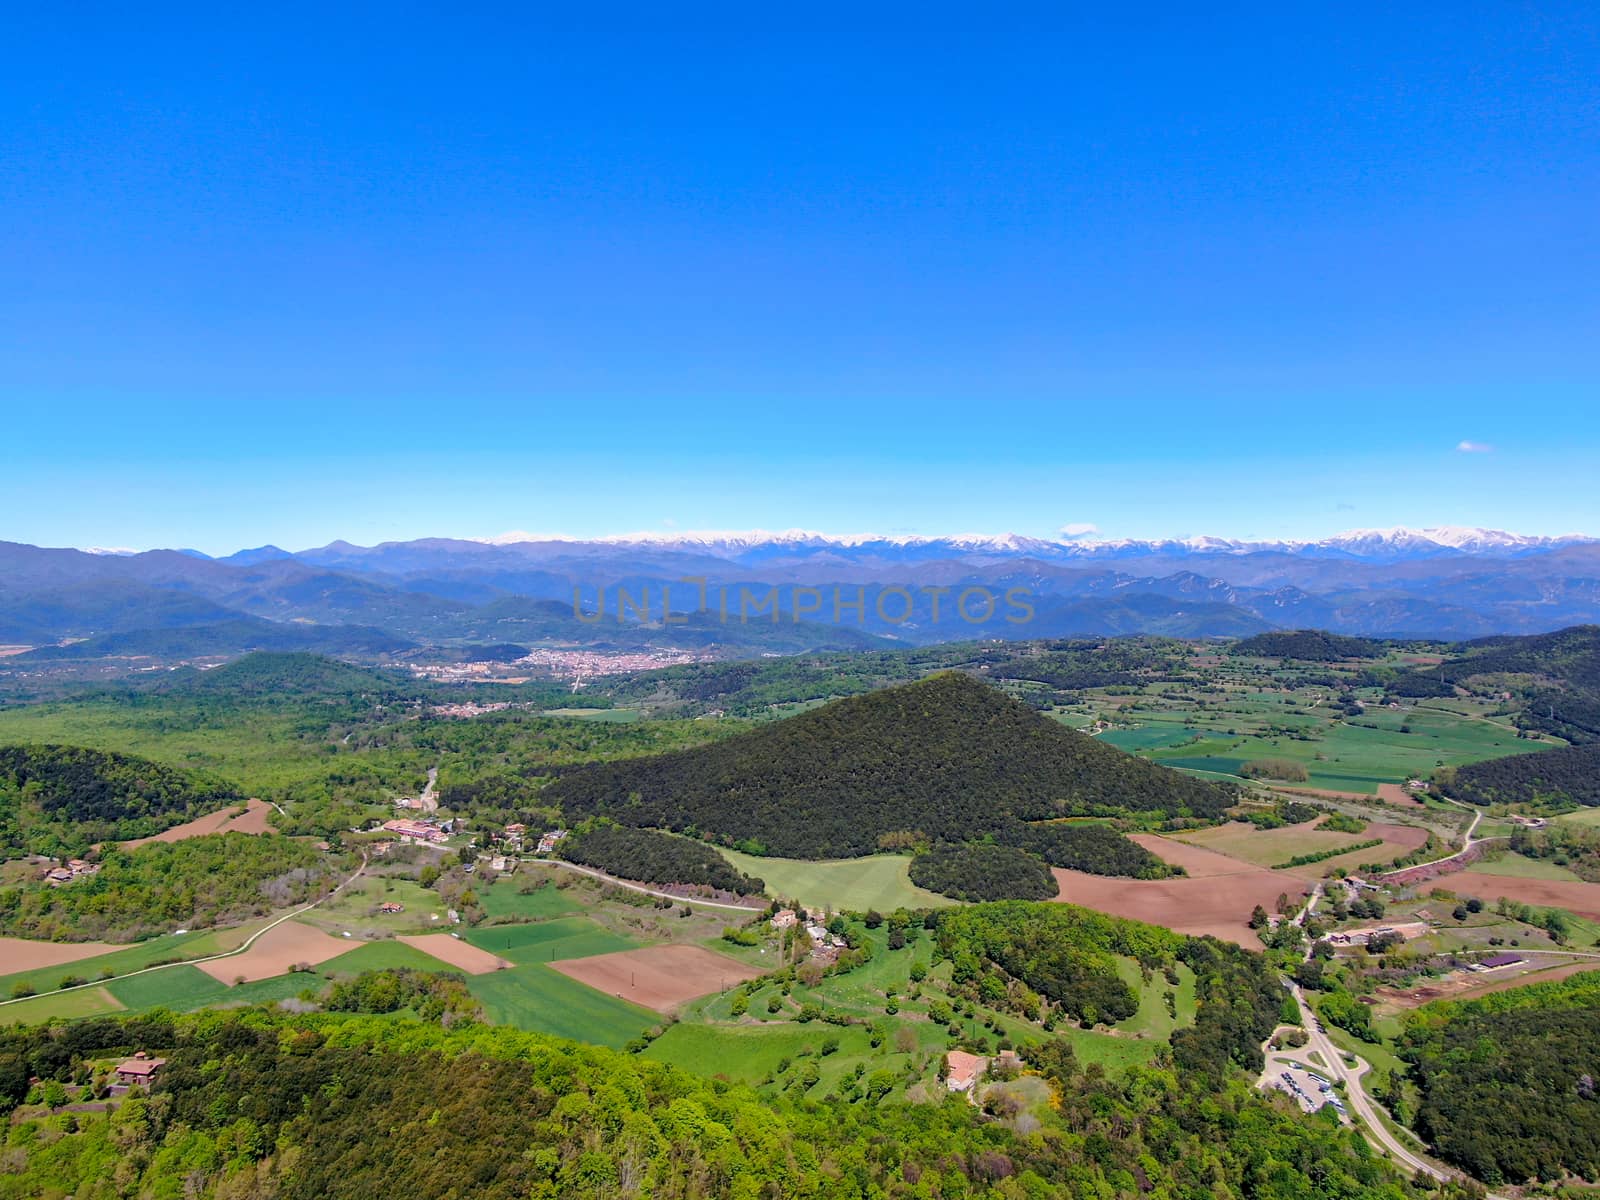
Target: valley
{"points": [[1182, 800]]}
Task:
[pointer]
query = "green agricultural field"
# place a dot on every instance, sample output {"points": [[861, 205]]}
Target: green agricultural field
{"points": [[133, 958], [1583, 816], [505, 898], [378, 956], [711, 1040], [548, 941], [853, 884], [1349, 755], [354, 908], [184, 989], [612, 716], [1154, 735], [266, 751], [1522, 868], [84, 1002], [536, 998]]}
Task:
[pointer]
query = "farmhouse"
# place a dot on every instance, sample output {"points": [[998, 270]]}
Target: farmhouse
{"points": [[963, 1070], [412, 832], [547, 843], [141, 1068], [1405, 930], [75, 867], [785, 919], [391, 906]]}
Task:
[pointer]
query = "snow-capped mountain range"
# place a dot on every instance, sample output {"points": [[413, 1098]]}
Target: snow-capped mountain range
{"points": [[1396, 543], [1449, 581]]}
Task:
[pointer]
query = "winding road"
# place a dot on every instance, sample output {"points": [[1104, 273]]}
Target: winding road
{"points": [[636, 887], [194, 962]]}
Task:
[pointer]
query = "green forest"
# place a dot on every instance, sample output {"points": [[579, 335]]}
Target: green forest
{"points": [[1308, 645], [983, 871], [60, 800], [200, 881], [942, 759], [1509, 1081], [1561, 778], [650, 856]]}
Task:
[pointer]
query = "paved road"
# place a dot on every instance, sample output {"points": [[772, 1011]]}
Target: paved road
{"points": [[191, 962], [634, 887], [1359, 1103]]}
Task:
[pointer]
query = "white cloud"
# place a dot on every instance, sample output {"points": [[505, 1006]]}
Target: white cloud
{"points": [[1078, 529], [1474, 447]]}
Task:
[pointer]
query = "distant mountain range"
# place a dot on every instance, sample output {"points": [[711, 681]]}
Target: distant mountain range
{"points": [[1449, 583]]}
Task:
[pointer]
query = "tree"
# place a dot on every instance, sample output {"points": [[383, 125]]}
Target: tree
{"points": [[1259, 917]]}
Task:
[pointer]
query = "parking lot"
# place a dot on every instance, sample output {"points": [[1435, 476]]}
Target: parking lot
{"points": [[1310, 1088]]}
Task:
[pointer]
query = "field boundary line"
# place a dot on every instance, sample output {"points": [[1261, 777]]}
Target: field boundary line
{"points": [[191, 962]]}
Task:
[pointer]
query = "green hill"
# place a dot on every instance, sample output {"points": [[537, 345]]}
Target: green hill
{"points": [[225, 637], [300, 675], [1310, 645], [1555, 675], [945, 758], [1570, 775], [59, 800]]}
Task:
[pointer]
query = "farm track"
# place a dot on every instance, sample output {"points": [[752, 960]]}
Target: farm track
{"points": [[194, 962], [639, 887]]}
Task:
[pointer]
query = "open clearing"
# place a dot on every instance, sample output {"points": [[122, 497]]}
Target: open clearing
{"points": [[84, 1002], [1465, 986], [1394, 793], [856, 884], [252, 820], [1216, 897], [658, 977], [455, 952], [1581, 898], [1522, 867], [276, 952], [24, 954], [1267, 847]]}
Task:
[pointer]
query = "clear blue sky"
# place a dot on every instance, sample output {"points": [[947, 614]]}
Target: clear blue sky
{"points": [[398, 273]]}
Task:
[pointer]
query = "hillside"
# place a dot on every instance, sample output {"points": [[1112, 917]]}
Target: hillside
{"points": [[59, 800], [1556, 675], [1570, 775], [301, 675], [1310, 645], [238, 636], [945, 757]]}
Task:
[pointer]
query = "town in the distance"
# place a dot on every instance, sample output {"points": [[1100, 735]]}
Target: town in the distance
{"points": [[1230, 869]]}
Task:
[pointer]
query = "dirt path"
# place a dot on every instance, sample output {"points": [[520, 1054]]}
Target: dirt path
{"points": [[194, 962], [636, 887]]}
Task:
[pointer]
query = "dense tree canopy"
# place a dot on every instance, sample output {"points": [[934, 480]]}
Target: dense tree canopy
{"points": [[347, 1108], [1311, 645], [650, 856], [1510, 1082], [983, 871], [60, 800], [946, 757], [157, 887], [1570, 775]]}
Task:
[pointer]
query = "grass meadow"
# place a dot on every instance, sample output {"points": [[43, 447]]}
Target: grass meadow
{"points": [[878, 881]]}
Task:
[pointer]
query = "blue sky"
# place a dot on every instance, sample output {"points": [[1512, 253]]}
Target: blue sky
{"points": [[395, 273]]}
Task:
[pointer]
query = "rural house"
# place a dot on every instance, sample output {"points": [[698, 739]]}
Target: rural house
{"points": [[140, 1069], [963, 1070]]}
